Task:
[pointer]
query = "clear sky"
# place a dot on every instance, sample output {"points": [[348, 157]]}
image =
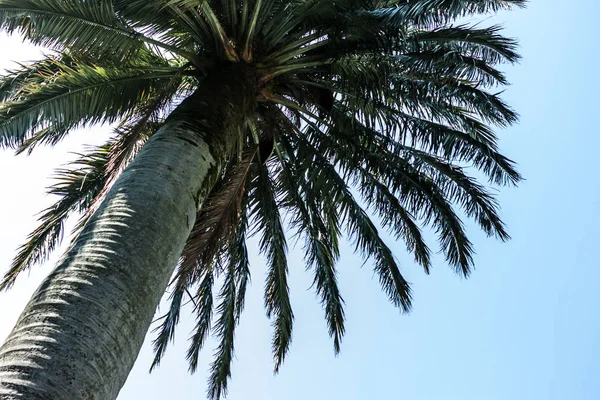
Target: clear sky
{"points": [[524, 326]]}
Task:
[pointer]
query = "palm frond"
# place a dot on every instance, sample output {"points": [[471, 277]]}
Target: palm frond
{"points": [[237, 274], [82, 186], [264, 211], [67, 24], [321, 238], [239, 255], [77, 187], [204, 312], [13, 84], [451, 179], [203, 301], [78, 97], [422, 195], [446, 61], [464, 190], [131, 134], [220, 368], [361, 228], [163, 20], [395, 216], [166, 330], [217, 222], [430, 13], [485, 43], [200, 17], [219, 229]]}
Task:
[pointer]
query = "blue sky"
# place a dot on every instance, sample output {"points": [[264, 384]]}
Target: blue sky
{"points": [[524, 326]]}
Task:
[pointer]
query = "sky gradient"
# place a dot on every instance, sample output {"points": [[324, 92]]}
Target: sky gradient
{"points": [[524, 326]]}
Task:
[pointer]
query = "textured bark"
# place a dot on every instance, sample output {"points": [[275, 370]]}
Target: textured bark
{"points": [[82, 330]]}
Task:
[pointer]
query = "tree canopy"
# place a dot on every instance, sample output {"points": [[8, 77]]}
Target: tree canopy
{"points": [[367, 109]]}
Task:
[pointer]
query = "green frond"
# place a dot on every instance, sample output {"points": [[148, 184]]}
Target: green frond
{"points": [[219, 231], [375, 193], [476, 146], [445, 61], [239, 255], [471, 141], [46, 136], [394, 216], [275, 27], [231, 15], [204, 311], [163, 20], [361, 228], [485, 43], [220, 368], [419, 193], [265, 214], [216, 223], [13, 85], [446, 92], [77, 97], [258, 16], [369, 242], [166, 330], [463, 190], [320, 238], [200, 18], [428, 13], [236, 280], [433, 206], [144, 120], [81, 28]]}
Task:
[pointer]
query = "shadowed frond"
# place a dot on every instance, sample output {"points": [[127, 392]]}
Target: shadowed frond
{"points": [[320, 237], [77, 187], [219, 229], [420, 193], [220, 369], [217, 221], [265, 215], [237, 260], [429, 13], [484, 44], [166, 329], [204, 311], [239, 254], [361, 229], [394, 216]]}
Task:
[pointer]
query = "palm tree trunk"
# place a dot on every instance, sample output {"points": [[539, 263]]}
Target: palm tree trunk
{"points": [[82, 330]]}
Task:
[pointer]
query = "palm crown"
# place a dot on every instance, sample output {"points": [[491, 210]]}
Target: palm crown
{"points": [[386, 97]]}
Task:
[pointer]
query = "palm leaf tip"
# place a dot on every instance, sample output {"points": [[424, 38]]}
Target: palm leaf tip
{"points": [[224, 329], [166, 330], [204, 312], [264, 210]]}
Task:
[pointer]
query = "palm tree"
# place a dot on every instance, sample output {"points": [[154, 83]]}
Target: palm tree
{"points": [[231, 116]]}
